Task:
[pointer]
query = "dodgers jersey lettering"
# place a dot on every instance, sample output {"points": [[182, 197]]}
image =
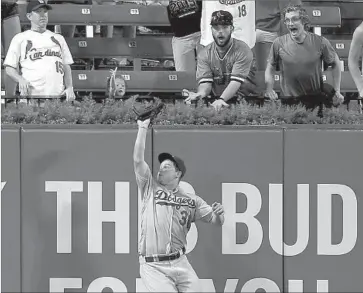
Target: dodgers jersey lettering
{"points": [[166, 216], [243, 12], [41, 57]]}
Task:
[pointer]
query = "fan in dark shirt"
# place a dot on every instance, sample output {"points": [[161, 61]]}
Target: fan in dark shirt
{"points": [[184, 17]]}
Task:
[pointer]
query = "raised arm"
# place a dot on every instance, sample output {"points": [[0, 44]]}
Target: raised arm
{"points": [[140, 165], [355, 52]]}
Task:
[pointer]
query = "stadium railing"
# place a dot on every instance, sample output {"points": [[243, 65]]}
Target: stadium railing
{"points": [[139, 47], [141, 15], [169, 81], [151, 15], [148, 47]]}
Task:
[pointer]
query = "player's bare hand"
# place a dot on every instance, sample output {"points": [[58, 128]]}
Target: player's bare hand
{"points": [[360, 106], [338, 98], [191, 96], [143, 124], [24, 87], [218, 208], [70, 96], [361, 94], [271, 94], [219, 104]]}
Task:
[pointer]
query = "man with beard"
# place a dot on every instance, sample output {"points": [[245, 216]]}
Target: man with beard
{"points": [[355, 53], [166, 216], [43, 56], [243, 15], [299, 55], [225, 67]]}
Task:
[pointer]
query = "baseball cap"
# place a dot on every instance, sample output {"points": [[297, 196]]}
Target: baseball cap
{"points": [[34, 5], [221, 17], [178, 161]]}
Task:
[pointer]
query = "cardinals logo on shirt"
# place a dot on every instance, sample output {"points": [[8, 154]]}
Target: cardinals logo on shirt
{"points": [[230, 2], [29, 45], [37, 54]]}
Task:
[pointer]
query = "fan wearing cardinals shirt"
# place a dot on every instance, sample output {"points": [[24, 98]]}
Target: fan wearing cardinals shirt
{"points": [[43, 56]]}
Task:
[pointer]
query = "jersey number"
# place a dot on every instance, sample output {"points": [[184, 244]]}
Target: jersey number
{"points": [[242, 10], [184, 219], [59, 67]]}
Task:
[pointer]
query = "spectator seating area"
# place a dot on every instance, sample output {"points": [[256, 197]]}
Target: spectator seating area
{"points": [[328, 18]]}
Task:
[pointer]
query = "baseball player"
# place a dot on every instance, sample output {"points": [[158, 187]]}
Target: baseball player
{"points": [[166, 217], [43, 56], [226, 68], [355, 52], [244, 18]]}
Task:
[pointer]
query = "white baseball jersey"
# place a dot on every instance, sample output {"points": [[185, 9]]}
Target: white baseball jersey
{"points": [[243, 12], [166, 217], [41, 57]]}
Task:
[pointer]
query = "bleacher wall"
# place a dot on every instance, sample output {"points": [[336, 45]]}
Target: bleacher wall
{"points": [[301, 186]]}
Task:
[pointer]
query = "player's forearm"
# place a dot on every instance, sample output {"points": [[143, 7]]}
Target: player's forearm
{"points": [[204, 90], [139, 148], [231, 90], [217, 219], [337, 74], [14, 74], [269, 77], [356, 74], [68, 82]]}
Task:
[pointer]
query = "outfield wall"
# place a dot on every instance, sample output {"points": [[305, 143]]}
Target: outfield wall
{"points": [[293, 201]]}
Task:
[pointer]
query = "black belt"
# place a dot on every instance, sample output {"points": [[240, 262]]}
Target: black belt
{"points": [[165, 257]]}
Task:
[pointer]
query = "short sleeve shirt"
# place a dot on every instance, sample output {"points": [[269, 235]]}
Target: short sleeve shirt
{"points": [[41, 57], [301, 63], [237, 64], [166, 216]]}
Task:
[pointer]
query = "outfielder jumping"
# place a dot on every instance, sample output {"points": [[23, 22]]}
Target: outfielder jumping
{"points": [[166, 217]]}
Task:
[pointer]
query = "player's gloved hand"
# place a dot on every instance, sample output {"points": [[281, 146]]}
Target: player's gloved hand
{"points": [[218, 208], [70, 96], [143, 124], [218, 104], [191, 96], [24, 87], [271, 94], [338, 98]]}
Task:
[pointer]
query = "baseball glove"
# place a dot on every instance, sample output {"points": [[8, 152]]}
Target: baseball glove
{"points": [[145, 111], [116, 86]]}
